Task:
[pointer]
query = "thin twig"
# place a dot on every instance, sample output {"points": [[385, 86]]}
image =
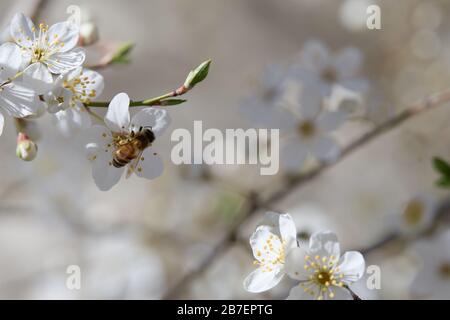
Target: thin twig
{"points": [[299, 180], [354, 295]]}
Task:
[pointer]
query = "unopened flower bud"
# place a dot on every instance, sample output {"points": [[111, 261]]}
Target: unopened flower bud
{"points": [[26, 148], [88, 33], [197, 75]]}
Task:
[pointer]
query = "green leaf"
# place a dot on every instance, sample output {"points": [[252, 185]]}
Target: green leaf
{"points": [[443, 182], [441, 166], [121, 56], [197, 75], [172, 102]]}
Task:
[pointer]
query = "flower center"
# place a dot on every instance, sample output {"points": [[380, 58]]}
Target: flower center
{"points": [[444, 270], [306, 129], [329, 75], [78, 87], [273, 249], [43, 47], [413, 212], [324, 275]]}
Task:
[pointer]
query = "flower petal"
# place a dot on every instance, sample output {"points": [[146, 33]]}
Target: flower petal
{"points": [[298, 293], [325, 149], [295, 262], [288, 231], [19, 101], [262, 280], [324, 244], [118, 116], [104, 173], [21, 30], [62, 62], [294, 154], [348, 62], [10, 60], [38, 77], [330, 121], [150, 166], [157, 119], [315, 55], [72, 121], [272, 219], [260, 240], [64, 35], [98, 135], [352, 266], [310, 102], [96, 82]]}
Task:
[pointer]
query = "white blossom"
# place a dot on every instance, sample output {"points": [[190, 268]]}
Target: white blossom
{"points": [[270, 244], [46, 50], [433, 278], [307, 129], [17, 100], [103, 141], [321, 269], [70, 91], [416, 215], [323, 69]]}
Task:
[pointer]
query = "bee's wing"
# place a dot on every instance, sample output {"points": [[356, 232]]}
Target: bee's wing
{"points": [[134, 164]]}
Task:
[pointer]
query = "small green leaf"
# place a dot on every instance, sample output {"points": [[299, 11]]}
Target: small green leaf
{"points": [[443, 182], [172, 102], [441, 166], [197, 75], [121, 56]]}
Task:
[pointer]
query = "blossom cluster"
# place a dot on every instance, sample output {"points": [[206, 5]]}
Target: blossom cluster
{"points": [[309, 100], [320, 269], [42, 72]]}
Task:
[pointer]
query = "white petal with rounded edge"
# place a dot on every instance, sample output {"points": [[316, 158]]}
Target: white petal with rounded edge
{"points": [[315, 55], [62, 62], [325, 149], [157, 119], [330, 121], [348, 61], [19, 101], [352, 266], [21, 30], [262, 280], [324, 244], [271, 219], [259, 244], [310, 102], [105, 175], [294, 154], [99, 135], [38, 77], [298, 293], [151, 166], [66, 33], [288, 231], [118, 116], [295, 262], [10, 60], [72, 121], [96, 82]]}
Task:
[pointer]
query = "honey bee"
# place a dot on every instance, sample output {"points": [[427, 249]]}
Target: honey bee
{"points": [[130, 150]]}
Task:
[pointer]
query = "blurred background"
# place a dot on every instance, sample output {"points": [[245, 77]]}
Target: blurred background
{"points": [[140, 239]]}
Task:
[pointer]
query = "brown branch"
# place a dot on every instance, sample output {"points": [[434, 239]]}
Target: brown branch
{"points": [[299, 180]]}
